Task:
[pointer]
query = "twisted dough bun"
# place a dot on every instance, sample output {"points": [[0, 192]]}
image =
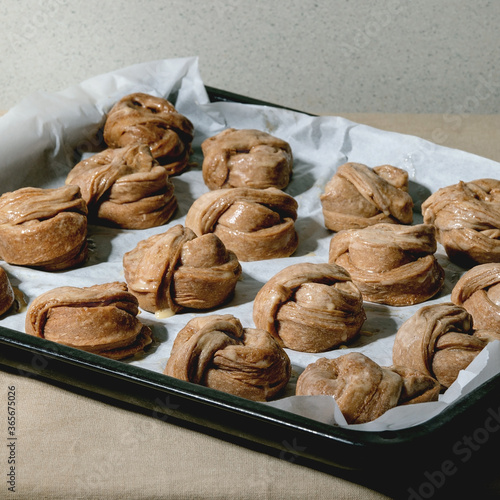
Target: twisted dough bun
{"points": [[358, 196], [175, 270], [217, 352], [467, 220], [438, 340], [6, 292], [390, 263], [310, 307], [145, 119], [478, 291], [43, 228], [125, 187], [364, 390], [256, 224], [246, 158], [99, 319]]}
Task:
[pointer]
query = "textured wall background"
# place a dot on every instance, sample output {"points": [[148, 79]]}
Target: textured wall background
{"points": [[334, 56]]}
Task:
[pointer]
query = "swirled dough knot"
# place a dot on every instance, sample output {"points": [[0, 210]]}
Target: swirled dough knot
{"points": [[6, 292], [43, 228], [246, 158], [358, 196], [478, 291], [176, 269], [439, 340], [125, 187], [467, 220], [100, 319], [256, 224], [310, 307], [362, 389], [154, 121], [217, 352], [390, 263]]}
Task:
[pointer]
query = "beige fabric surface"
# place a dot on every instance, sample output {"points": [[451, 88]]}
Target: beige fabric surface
{"points": [[477, 134], [70, 446], [73, 446]]}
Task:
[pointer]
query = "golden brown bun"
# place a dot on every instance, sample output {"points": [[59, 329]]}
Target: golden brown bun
{"points": [[246, 158], [43, 228], [217, 352]]}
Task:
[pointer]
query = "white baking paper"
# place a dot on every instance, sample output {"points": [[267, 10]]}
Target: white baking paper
{"points": [[43, 136]]}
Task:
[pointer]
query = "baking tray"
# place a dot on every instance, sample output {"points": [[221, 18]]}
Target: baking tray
{"points": [[394, 462]]}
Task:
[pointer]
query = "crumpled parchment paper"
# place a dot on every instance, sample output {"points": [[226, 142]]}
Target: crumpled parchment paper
{"points": [[45, 135]]}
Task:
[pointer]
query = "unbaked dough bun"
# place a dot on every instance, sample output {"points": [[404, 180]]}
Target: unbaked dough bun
{"points": [[390, 263], [218, 352], [101, 319], [43, 228], [125, 187], [363, 389], [246, 158], [439, 340], [6, 292], [154, 121], [174, 270], [310, 307], [467, 220], [256, 224], [358, 196], [478, 291]]}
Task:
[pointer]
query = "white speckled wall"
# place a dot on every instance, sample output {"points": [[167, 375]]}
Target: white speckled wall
{"points": [[335, 56]]}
